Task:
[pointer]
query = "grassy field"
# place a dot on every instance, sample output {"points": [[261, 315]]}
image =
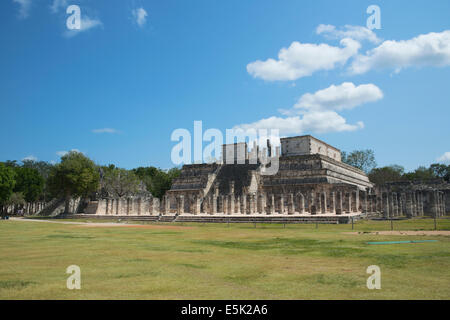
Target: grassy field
{"points": [[214, 261]]}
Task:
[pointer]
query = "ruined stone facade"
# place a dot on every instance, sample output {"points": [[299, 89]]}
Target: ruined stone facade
{"points": [[414, 198], [311, 181]]}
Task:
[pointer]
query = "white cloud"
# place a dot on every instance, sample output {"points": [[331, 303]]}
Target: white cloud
{"points": [[432, 49], [316, 112], [86, 24], [340, 97], [30, 158], [140, 16], [24, 9], [303, 59], [58, 4], [63, 153], [358, 33], [445, 158], [105, 130]]}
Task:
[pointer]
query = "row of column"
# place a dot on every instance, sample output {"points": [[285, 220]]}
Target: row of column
{"points": [[129, 206], [262, 203], [410, 204]]}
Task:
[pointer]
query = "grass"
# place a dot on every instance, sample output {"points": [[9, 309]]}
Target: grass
{"points": [[216, 261]]}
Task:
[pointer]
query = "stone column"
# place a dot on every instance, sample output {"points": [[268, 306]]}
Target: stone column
{"points": [[332, 202], [301, 203], [408, 205], [339, 207], [414, 204], [350, 200], [118, 206], [357, 201], [244, 203], [291, 208], [253, 203], [365, 208], [180, 204], [272, 203], [324, 204], [281, 204], [386, 205], [156, 205], [312, 205], [263, 203], [238, 204], [138, 206], [166, 204], [421, 204]]}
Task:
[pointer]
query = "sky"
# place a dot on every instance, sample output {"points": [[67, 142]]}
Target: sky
{"points": [[136, 70]]}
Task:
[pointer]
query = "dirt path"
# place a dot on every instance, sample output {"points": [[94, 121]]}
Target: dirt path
{"points": [[404, 233], [102, 224]]}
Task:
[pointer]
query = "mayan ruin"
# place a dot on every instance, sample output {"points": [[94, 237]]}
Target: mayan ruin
{"points": [[312, 184]]}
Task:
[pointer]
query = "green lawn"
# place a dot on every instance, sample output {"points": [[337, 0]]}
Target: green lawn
{"points": [[214, 261]]}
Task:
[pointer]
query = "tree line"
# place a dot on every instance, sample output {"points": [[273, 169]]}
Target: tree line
{"points": [[76, 176], [365, 160]]}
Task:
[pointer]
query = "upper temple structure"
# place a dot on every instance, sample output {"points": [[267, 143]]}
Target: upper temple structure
{"points": [[310, 183]]}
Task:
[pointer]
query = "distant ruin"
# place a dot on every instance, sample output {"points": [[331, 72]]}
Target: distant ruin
{"points": [[312, 184]]}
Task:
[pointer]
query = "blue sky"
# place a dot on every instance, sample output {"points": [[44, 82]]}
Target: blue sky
{"points": [[138, 70]]}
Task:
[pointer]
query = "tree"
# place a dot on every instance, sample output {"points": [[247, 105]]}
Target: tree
{"points": [[44, 169], [7, 183], [441, 171], [29, 183], [16, 200], [156, 180], [421, 173], [75, 176], [386, 174], [119, 182], [361, 159]]}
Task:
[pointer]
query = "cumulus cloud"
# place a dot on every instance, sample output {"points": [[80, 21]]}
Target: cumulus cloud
{"points": [[86, 24], [432, 49], [30, 158], [58, 4], [303, 59], [63, 153], [358, 33], [317, 112], [24, 8], [445, 158], [140, 16], [340, 97], [105, 130]]}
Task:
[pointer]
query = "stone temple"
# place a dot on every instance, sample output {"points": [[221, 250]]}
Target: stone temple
{"points": [[311, 184]]}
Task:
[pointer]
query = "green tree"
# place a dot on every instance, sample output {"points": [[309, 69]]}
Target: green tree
{"points": [[119, 182], [29, 183], [421, 173], [361, 159], [441, 171], [157, 181], [17, 199], [75, 176], [44, 169], [7, 183], [382, 175]]}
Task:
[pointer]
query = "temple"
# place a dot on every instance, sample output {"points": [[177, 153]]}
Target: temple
{"points": [[310, 184]]}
